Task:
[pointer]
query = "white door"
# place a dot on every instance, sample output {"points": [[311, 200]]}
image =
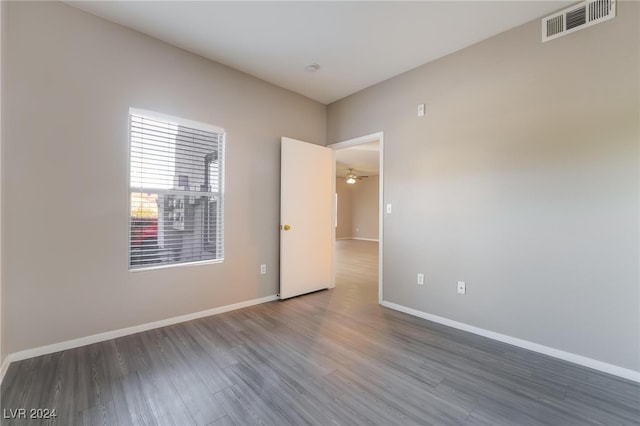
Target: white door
{"points": [[306, 219]]}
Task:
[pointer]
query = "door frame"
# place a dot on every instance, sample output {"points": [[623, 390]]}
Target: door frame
{"points": [[346, 144]]}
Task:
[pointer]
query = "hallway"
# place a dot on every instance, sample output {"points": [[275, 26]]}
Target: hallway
{"points": [[356, 290]]}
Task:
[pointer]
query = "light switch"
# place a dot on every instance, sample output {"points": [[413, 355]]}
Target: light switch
{"points": [[389, 208]]}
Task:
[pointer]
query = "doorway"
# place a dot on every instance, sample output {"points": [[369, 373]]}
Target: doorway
{"points": [[350, 169]]}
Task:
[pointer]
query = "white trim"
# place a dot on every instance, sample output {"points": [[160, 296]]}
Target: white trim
{"points": [[4, 368], [176, 265], [358, 141], [177, 120], [365, 239], [220, 193], [535, 347], [5, 362], [334, 216], [95, 338], [381, 217], [344, 238]]}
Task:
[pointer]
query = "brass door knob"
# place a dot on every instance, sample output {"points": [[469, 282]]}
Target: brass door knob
{"points": [[286, 227]]}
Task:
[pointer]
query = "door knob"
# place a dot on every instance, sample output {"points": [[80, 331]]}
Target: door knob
{"points": [[286, 227]]}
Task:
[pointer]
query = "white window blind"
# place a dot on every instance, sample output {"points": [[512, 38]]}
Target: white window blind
{"points": [[176, 191]]}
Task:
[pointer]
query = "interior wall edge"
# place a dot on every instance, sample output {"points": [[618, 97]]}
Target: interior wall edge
{"points": [[114, 334], [605, 367], [534, 202], [82, 281], [4, 367]]}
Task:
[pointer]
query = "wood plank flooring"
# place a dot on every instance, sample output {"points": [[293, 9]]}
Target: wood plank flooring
{"points": [[329, 358]]}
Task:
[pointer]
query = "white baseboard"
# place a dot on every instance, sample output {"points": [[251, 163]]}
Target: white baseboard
{"points": [[4, 367], [556, 353], [75, 343], [358, 238]]}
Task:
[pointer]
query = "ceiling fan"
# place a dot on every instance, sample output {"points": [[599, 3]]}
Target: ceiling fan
{"points": [[352, 178]]}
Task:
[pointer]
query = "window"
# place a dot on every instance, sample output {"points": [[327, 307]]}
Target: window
{"points": [[176, 191]]}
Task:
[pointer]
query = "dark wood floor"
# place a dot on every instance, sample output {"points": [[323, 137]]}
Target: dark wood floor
{"points": [[332, 357]]}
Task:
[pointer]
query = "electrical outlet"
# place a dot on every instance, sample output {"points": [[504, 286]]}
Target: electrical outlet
{"points": [[263, 269], [462, 287], [420, 110], [420, 280]]}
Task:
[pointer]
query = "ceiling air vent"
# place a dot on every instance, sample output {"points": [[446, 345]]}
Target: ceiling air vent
{"points": [[577, 17]]}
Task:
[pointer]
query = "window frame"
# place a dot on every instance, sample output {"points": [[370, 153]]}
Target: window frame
{"points": [[153, 115]]}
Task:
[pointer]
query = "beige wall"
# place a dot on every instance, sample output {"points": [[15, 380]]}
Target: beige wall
{"points": [[343, 230], [522, 180], [70, 79], [365, 209], [3, 353], [358, 209]]}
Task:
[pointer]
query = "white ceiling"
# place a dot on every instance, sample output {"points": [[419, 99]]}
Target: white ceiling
{"points": [[364, 159], [357, 44]]}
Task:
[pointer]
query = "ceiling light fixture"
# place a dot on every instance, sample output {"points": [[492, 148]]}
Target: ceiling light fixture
{"points": [[352, 178], [312, 67]]}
